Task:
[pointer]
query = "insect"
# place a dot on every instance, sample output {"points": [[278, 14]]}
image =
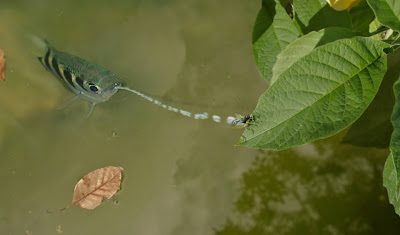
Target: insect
{"points": [[96, 84], [243, 121]]}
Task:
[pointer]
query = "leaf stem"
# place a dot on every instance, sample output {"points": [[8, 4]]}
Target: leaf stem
{"points": [[60, 210], [379, 30]]}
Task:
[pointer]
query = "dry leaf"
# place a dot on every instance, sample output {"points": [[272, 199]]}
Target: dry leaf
{"points": [[102, 183], [91, 190], [2, 65]]}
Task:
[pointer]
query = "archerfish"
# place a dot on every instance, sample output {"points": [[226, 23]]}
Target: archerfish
{"points": [[96, 84], [87, 80]]}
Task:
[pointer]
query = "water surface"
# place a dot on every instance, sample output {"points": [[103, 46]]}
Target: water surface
{"points": [[181, 176]]}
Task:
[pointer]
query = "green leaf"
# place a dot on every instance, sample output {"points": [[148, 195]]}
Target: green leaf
{"points": [[263, 22], [391, 174], [373, 27], [390, 181], [387, 12], [264, 19], [395, 140], [319, 95], [314, 15], [395, 43], [373, 128], [361, 17], [275, 36], [304, 45]]}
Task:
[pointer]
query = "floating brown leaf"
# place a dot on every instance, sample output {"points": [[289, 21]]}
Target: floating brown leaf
{"points": [[2, 65], [96, 186]]}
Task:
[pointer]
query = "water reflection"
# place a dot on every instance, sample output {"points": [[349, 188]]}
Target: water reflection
{"points": [[182, 176], [313, 189]]}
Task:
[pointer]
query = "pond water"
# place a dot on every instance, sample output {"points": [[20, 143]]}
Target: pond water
{"points": [[181, 176]]}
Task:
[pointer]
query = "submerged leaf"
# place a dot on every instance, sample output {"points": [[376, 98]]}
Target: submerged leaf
{"points": [[319, 95], [2, 65], [96, 186], [99, 184]]}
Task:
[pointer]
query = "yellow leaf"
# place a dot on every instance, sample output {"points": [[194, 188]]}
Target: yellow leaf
{"points": [[96, 186], [341, 5]]}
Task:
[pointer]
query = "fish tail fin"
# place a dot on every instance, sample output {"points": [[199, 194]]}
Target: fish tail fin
{"points": [[38, 46]]}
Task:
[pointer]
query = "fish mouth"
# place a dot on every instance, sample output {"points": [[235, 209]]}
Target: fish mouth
{"points": [[117, 85]]}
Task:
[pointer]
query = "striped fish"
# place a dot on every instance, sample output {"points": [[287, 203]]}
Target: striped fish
{"points": [[87, 80], [96, 84]]}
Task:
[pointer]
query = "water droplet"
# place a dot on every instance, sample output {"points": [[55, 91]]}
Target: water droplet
{"points": [[216, 118]]}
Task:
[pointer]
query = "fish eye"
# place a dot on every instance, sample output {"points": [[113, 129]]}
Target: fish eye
{"points": [[94, 88]]}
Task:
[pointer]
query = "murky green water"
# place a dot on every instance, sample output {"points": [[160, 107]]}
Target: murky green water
{"points": [[181, 176]]}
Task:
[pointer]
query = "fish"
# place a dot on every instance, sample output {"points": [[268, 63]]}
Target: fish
{"points": [[97, 84], [87, 80]]}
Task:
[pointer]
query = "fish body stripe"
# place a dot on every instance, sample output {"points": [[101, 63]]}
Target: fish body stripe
{"points": [[76, 85], [68, 77], [41, 61], [46, 60], [56, 67], [51, 63], [79, 81]]}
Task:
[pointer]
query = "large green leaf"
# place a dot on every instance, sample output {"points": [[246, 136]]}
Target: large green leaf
{"points": [[361, 17], [273, 31], [390, 181], [314, 15], [304, 45], [373, 128], [319, 95], [387, 12]]}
